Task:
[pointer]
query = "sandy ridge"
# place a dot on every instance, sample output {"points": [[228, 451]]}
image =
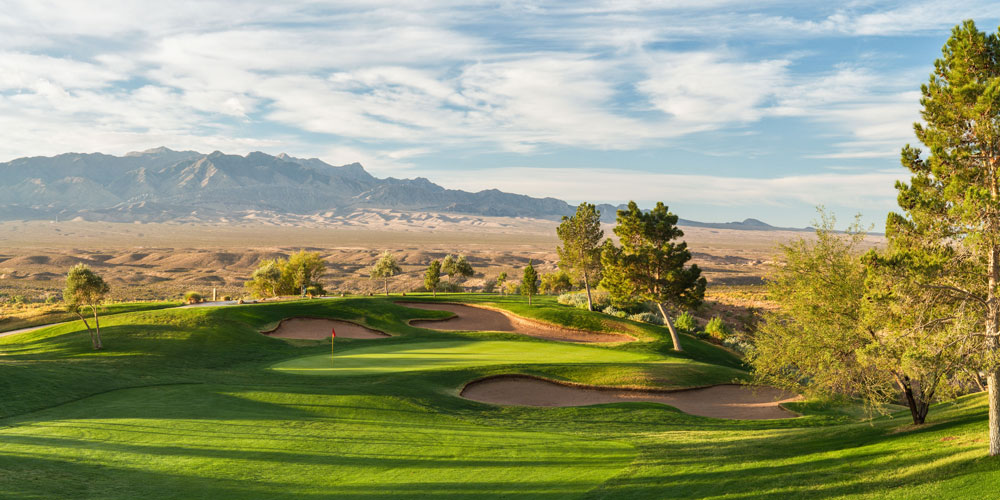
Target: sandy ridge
{"points": [[728, 401], [469, 317]]}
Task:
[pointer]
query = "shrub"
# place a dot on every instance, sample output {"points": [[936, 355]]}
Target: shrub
{"points": [[19, 299], [739, 345], [646, 317], [315, 290], [490, 285], [556, 282], [685, 322], [717, 328], [579, 299], [613, 311], [193, 297]]}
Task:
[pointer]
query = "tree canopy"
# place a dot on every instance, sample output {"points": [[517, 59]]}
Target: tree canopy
{"points": [[291, 276], [842, 332]]}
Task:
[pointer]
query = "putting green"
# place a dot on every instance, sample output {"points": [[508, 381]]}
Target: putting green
{"points": [[454, 354]]}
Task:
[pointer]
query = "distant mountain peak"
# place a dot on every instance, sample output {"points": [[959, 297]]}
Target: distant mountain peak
{"points": [[162, 184], [152, 151]]}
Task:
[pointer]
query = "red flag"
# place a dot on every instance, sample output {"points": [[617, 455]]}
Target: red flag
{"points": [[333, 333]]}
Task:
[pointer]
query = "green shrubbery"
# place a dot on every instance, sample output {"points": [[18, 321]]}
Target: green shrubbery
{"points": [[614, 311], [718, 329], [193, 297], [579, 299], [646, 317], [686, 323]]}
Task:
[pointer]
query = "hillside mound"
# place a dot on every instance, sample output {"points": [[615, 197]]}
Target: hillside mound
{"points": [[737, 402], [482, 319]]}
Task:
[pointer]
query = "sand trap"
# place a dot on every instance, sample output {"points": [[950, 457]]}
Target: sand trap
{"points": [[482, 319], [720, 401], [319, 328]]}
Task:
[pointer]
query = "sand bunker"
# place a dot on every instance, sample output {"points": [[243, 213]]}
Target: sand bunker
{"points": [[319, 328], [482, 319], [720, 401]]}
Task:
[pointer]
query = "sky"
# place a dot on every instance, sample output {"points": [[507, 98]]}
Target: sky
{"points": [[722, 109]]}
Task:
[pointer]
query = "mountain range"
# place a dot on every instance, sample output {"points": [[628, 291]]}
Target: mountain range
{"points": [[161, 184]]}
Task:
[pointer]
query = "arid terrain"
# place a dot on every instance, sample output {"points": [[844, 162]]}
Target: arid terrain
{"points": [[163, 260]]}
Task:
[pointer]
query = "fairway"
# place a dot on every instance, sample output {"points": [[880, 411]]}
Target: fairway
{"points": [[446, 355], [197, 404]]}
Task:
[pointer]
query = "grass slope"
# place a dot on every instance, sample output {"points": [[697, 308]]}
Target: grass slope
{"points": [[183, 404]]}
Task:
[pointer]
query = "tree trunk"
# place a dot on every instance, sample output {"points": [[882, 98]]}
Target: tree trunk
{"points": [[97, 329], [386, 283], [670, 326], [993, 344], [93, 341], [586, 284], [917, 410], [992, 379], [434, 291]]}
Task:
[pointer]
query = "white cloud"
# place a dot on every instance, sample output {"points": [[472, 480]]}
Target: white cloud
{"points": [[703, 87], [872, 190]]}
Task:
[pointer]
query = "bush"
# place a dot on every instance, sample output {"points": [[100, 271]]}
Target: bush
{"points": [[490, 285], [739, 345], [717, 328], [193, 297], [613, 311], [579, 299], [646, 317], [19, 299], [685, 323], [556, 282], [315, 290]]}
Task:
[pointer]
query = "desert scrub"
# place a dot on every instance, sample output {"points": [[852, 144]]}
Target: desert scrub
{"points": [[685, 323], [646, 317], [600, 298], [614, 311], [193, 297]]}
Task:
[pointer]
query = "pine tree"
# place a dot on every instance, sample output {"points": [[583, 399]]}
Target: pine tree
{"points": [[650, 265], [529, 282], [952, 203], [433, 276], [580, 253]]}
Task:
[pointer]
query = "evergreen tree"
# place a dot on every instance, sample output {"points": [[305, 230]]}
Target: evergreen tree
{"points": [[529, 282], [649, 265], [433, 276], [950, 226]]}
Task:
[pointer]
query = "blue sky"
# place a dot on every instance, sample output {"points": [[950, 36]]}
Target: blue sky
{"points": [[721, 109]]}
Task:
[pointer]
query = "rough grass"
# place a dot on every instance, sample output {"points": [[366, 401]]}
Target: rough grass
{"points": [[14, 317], [182, 404]]}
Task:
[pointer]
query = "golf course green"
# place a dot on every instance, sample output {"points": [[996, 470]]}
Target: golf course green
{"points": [[450, 355], [197, 404]]}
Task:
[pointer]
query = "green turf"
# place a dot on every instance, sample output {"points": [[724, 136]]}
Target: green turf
{"points": [[448, 355], [184, 404]]}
